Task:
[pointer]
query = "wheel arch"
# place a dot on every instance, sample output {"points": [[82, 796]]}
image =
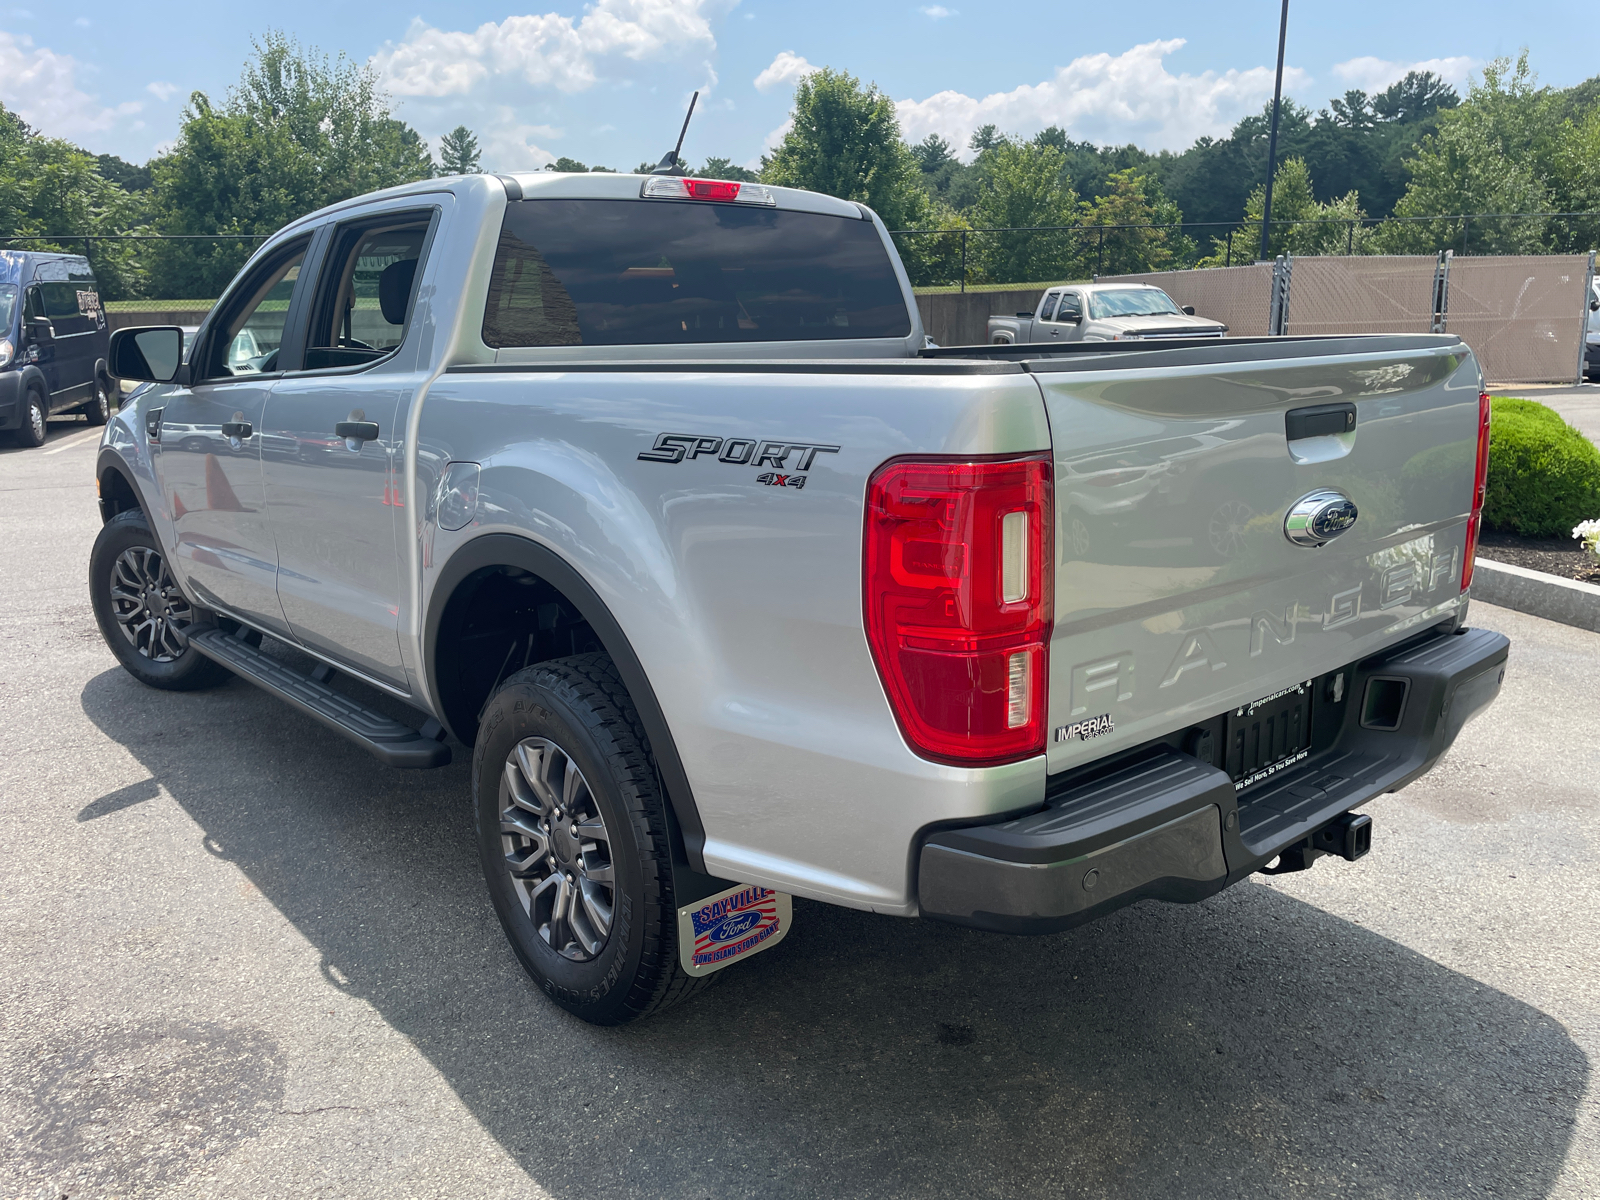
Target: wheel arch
{"points": [[455, 585], [117, 491]]}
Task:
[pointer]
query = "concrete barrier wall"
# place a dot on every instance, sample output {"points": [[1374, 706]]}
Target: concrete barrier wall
{"points": [[124, 320], [962, 318]]}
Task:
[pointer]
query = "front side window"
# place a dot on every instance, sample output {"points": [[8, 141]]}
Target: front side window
{"points": [[667, 272], [246, 342], [365, 296], [1131, 302]]}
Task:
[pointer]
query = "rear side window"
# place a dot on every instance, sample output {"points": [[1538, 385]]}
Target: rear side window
{"points": [[664, 272]]}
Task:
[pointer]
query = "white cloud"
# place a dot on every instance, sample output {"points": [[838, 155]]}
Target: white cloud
{"points": [[938, 12], [548, 50], [1107, 98], [41, 86], [162, 91], [1375, 74], [787, 68], [83, 22]]}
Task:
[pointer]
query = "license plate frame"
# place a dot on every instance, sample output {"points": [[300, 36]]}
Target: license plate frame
{"points": [[1269, 735]]}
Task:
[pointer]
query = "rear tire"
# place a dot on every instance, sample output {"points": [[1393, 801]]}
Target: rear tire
{"points": [[98, 410], [35, 426], [572, 832], [143, 616]]}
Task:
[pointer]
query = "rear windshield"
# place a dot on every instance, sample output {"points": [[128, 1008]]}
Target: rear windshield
{"points": [[668, 272]]}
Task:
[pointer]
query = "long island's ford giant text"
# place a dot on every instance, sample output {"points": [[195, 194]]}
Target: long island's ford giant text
{"points": [[653, 494]]}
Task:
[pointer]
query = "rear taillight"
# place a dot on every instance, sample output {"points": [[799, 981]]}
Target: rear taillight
{"points": [[957, 577], [1479, 483], [724, 191]]}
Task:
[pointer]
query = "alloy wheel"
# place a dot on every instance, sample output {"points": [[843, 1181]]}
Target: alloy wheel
{"points": [[150, 609], [36, 419], [557, 848]]}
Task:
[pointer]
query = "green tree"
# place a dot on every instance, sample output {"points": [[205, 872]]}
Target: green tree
{"points": [[297, 132], [1130, 199], [51, 188], [1022, 186], [458, 152], [726, 168], [1491, 154], [1308, 226], [845, 141]]}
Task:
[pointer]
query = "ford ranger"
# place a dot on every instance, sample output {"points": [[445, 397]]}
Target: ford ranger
{"points": [[649, 491], [1102, 312]]}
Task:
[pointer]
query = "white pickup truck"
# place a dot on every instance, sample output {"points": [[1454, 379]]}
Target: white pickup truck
{"points": [[1103, 312], [647, 490]]}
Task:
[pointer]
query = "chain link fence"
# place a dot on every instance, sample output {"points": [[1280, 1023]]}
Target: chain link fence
{"points": [[960, 258], [1523, 315]]}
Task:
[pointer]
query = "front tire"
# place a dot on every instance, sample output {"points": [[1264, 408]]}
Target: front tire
{"points": [[35, 419], [143, 615], [572, 832]]}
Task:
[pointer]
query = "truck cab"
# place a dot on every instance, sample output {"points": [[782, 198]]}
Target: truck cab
{"points": [[1103, 312]]}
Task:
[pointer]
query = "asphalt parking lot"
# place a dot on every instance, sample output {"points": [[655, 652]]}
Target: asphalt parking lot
{"points": [[242, 959]]}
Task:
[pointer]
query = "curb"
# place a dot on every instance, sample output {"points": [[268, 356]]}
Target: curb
{"points": [[1537, 594]]}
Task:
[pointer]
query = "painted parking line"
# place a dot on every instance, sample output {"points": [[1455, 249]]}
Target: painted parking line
{"points": [[92, 434]]}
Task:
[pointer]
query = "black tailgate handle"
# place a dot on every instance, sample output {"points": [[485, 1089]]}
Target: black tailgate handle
{"points": [[1319, 420]]}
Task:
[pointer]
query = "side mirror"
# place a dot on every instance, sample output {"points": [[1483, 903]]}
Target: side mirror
{"points": [[1071, 317], [1188, 310], [1594, 306], [40, 330], [151, 354]]}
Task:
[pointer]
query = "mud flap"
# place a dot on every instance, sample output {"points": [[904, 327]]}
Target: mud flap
{"points": [[720, 930]]}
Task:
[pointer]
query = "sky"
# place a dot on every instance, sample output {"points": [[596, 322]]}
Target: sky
{"points": [[607, 82]]}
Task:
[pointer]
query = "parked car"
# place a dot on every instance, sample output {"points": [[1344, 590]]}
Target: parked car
{"points": [[53, 343], [648, 490], [1103, 312]]}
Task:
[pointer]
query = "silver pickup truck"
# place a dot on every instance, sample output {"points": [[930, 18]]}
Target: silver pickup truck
{"points": [[647, 490], [1102, 312]]}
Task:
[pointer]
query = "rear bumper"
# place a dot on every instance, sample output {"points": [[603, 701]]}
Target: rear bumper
{"points": [[1164, 825]]}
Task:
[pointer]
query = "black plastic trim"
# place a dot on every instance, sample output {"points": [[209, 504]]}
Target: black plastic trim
{"points": [[1026, 874], [1046, 357], [386, 739], [508, 550]]}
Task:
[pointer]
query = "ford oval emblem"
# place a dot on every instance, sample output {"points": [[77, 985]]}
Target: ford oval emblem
{"points": [[736, 925], [1319, 517]]}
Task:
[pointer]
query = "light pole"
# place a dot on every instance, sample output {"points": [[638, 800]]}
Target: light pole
{"points": [[1272, 138]]}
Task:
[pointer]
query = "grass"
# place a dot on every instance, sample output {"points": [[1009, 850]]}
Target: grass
{"points": [[949, 289], [159, 305]]}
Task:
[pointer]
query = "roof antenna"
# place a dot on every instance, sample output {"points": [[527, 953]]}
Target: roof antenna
{"points": [[671, 163]]}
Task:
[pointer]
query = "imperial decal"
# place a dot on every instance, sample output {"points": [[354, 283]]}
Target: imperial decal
{"points": [[1082, 731], [721, 929]]}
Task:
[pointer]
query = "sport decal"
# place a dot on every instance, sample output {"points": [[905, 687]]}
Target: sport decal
{"points": [[720, 930]]}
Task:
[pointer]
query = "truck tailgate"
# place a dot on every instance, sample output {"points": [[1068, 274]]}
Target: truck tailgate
{"points": [[1178, 595]]}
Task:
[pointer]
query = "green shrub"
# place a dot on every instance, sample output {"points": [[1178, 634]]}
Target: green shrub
{"points": [[1544, 476]]}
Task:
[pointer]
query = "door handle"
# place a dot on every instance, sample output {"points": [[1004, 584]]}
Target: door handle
{"points": [[237, 429], [358, 431]]}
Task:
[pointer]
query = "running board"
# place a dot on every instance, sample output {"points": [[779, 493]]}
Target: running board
{"points": [[385, 738]]}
